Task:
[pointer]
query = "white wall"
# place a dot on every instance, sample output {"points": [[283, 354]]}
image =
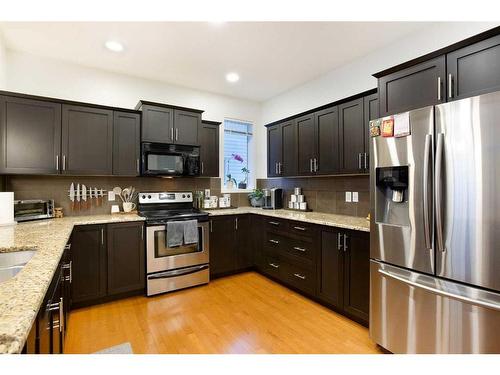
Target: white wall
{"points": [[47, 77], [356, 77], [3, 63]]}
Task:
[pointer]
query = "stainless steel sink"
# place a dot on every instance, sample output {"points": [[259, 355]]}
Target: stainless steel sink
{"points": [[12, 263]]}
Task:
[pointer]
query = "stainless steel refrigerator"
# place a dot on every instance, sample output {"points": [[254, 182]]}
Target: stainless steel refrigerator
{"points": [[435, 229]]}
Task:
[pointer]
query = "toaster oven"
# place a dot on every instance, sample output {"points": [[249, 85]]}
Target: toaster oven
{"points": [[33, 209]]}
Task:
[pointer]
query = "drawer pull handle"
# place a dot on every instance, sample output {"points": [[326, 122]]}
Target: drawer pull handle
{"points": [[299, 228], [298, 275], [300, 249], [274, 241], [274, 265], [274, 223]]}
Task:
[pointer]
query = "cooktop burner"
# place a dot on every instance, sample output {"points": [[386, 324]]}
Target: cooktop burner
{"points": [[161, 207]]}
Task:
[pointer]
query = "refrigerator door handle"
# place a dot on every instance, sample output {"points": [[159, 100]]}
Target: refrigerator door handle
{"points": [[427, 226], [442, 293], [438, 186]]}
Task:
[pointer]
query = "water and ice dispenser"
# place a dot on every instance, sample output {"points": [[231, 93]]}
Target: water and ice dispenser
{"points": [[391, 196]]}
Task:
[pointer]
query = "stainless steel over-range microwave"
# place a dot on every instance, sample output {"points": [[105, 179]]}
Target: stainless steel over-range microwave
{"points": [[161, 159]]}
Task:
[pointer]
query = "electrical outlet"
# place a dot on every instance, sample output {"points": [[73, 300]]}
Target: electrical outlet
{"points": [[111, 196], [348, 196], [355, 197]]}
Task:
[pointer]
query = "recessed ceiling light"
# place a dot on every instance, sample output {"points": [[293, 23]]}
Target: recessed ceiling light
{"points": [[232, 77], [114, 46]]}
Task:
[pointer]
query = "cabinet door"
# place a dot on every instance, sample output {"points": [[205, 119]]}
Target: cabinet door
{"points": [[125, 250], [330, 269], [222, 245], [157, 124], [288, 166], [256, 233], [352, 142], [126, 143], [209, 150], [87, 140], [243, 242], [357, 275], [474, 70], [417, 86], [306, 145], [30, 133], [371, 113], [88, 251], [327, 141], [186, 125], [273, 149]]}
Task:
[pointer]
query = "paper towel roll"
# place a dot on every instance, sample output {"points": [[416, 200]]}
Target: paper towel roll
{"points": [[7, 208]]}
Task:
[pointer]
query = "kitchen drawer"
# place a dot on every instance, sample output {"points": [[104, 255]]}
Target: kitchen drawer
{"points": [[271, 265], [273, 224], [300, 277], [274, 243], [301, 228], [300, 249]]}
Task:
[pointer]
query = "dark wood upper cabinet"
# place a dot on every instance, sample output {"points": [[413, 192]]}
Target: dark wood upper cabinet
{"points": [[352, 142], [87, 140], [330, 269], [371, 113], [273, 149], [357, 275], [126, 143], [288, 163], [30, 132], [414, 87], [306, 145], [474, 70], [209, 148], [88, 252], [186, 126], [157, 124], [125, 255], [327, 141]]}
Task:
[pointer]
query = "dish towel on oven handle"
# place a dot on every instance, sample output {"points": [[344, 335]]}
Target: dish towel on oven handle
{"points": [[175, 233], [190, 232]]}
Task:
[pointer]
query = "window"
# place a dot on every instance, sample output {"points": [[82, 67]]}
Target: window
{"points": [[237, 154]]}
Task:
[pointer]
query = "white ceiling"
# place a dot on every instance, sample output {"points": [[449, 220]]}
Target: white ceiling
{"points": [[270, 57]]}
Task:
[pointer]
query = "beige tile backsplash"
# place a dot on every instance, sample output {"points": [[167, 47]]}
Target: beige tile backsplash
{"points": [[323, 194], [326, 194]]}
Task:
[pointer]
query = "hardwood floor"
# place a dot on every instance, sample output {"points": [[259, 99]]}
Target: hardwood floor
{"points": [[245, 313]]}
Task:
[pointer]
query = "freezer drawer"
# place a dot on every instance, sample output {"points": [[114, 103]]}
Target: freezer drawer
{"points": [[416, 313]]}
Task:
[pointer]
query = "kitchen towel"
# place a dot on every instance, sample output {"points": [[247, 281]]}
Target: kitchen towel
{"points": [[175, 233], [190, 232]]}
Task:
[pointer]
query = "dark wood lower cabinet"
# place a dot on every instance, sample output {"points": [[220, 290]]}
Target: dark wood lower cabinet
{"points": [[125, 248], [89, 263], [330, 269]]}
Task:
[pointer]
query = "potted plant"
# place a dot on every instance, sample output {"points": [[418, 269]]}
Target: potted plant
{"points": [[256, 198], [231, 182], [243, 184]]}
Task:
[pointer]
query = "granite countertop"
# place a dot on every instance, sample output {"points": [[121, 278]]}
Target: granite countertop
{"points": [[332, 220], [22, 295]]}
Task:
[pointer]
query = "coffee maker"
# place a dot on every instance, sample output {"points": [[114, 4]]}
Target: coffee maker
{"points": [[273, 198]]}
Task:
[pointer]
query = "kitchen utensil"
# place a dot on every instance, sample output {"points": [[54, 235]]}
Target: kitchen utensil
{"points": [[118, 191], [77, 194], [84, 197], [72, 196], [126, 194]]}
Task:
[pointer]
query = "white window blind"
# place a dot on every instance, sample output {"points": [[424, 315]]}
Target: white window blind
{"points": [[237, 136]]}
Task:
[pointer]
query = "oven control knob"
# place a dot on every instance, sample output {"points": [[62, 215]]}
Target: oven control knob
{"points": [[149, 196], [183, 195], [189, 195], [143, 196]]}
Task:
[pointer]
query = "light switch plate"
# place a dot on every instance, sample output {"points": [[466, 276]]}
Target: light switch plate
{"points": [[355, 197], [348, 196], [111, 196]]}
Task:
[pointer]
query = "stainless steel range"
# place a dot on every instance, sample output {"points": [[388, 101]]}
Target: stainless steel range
{"points": [[177, 241]]}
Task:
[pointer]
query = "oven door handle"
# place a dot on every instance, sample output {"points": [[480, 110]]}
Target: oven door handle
{"points": [[175, 273]]}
